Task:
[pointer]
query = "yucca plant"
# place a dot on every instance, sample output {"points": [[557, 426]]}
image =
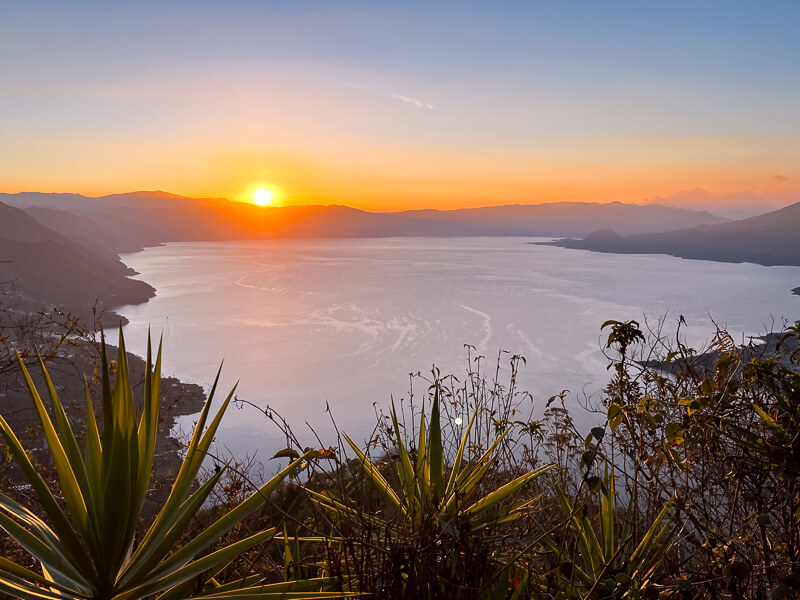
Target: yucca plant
{"points": [[89, 550], [424, 489], [609, 561], [439, 532]]}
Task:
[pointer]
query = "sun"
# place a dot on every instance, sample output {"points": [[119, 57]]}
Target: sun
{"points": [[262, 197]]}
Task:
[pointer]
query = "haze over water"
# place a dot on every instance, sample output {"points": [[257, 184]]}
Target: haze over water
{"points": [[305, 322]]}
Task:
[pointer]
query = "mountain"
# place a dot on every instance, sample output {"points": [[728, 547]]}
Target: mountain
{"points": [[42, 268], [732, 206], [769, 239], [87, 231], [569, 218], [148, 218]]}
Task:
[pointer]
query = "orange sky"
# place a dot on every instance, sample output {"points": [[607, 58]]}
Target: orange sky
{"points": [[600, 170], [390, 107]]}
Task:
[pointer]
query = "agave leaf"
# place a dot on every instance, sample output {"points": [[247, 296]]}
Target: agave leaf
{"points": [[148, 554], [406, 469], [19, 588], [607, 518], [258, 594], [578, 528], [454, 473], [187, 473], [239, 584], [72, 453], [94, 460], [436, 460], [164, 581], [645, 545], [505, 491], [71, 547], [148, 426], [8, 567], [120, 466], [593, 544], [423, 465], [378, 480], [43, 551], [468, 477], [64, 469], [318, 584], [227, 522]]}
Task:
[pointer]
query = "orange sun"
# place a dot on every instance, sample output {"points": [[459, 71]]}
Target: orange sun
{"points": [[262, 197]]}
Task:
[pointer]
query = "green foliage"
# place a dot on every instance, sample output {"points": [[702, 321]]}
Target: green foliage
{"points": [[422, 489], [89, 549], [440, 514], [721, 427], [610, 560]]}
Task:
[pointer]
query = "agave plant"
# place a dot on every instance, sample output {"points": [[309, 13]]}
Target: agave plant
{"points": [[436, 537], [424, 488], [89, 550], [607, 560]]}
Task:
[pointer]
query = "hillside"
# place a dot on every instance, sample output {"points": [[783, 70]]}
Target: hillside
{"points": [[769, 239], [42, 268]]}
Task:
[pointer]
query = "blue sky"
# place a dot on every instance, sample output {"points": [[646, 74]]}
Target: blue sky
{"points": [[307, 81]]}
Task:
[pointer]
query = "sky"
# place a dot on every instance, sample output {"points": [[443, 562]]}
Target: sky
{"points": [[393, 105]]}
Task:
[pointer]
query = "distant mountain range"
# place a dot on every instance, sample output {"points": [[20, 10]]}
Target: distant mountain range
{"points": [[62, 248], [125, 222], [769, 239], [732, 206]]}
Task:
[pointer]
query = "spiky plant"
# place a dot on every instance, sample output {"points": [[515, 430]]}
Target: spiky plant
{"points": [[89, 550], [610, 560], [444, 536], [424, 490]]}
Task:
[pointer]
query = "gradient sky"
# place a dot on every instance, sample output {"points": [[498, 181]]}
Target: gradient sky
{"points": [[402, 105]]}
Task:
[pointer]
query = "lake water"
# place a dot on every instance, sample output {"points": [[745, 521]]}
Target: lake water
{"points": [[304, 322]]}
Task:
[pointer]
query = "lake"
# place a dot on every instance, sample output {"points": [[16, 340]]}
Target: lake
{"points": [[302, 323]]}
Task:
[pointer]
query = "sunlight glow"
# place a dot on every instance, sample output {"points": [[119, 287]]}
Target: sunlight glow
{"points": [[262, 197]]}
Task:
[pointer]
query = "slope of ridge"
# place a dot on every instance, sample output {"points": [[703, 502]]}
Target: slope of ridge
{"points": [[42, 268], [769, 239], [574, 218]]}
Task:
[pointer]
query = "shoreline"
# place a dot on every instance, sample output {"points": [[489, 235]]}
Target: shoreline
{"points": [[67, 365]]}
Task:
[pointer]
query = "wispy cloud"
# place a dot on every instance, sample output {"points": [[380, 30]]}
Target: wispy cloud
{"points": [[780, 178], [413, 101]]}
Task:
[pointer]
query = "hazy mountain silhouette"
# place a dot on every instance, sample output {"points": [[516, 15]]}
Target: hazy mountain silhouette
{"points": [[63, 247], [147, 218], [732, 206], [769, 239], [42, 268]]}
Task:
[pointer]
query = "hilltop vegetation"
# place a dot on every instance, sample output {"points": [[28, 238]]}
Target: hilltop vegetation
{"points": [[686, 488]]}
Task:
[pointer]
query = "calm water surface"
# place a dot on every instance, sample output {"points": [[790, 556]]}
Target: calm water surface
{"points": [[303, 322]]}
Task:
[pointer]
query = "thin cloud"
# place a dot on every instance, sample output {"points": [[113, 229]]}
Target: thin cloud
{"points": [[413, 101], [780, 178]]}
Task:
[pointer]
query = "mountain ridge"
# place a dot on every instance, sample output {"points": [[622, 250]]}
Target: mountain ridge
{"points": [[157, 217], [769, 239]]}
